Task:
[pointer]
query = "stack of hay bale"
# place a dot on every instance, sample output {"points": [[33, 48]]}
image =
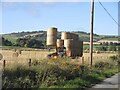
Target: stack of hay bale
{"points": [[16, 53], [70, 41], [51, 36], [74, 46], [19, 51]]}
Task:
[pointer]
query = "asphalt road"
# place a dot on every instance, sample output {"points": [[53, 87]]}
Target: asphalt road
{"points": [[110, 83]]}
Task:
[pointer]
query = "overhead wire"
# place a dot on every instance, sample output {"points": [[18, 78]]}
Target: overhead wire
{"points": [[109, 13]]}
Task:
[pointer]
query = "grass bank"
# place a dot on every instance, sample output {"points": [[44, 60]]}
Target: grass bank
{"points": [[60, 73]]}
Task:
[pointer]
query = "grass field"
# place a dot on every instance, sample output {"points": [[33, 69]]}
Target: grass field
{"points": [[22, 58], [9, 47], [11, 38], [111, 39], [83, 36], [54, 73], [40, 55]]}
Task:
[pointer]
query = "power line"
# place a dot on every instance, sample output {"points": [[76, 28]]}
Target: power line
{"points": [[108, 13]]}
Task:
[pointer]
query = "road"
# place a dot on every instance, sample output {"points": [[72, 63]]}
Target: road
{"points": [[110, 83]]}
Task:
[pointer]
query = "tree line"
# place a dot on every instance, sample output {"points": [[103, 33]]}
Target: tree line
{"points": [[5, 42], [24, 42], [34, 43], [28, 42]]}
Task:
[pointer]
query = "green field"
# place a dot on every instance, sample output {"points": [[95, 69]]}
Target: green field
{"points": [[11, 38], [41, 35], [9, 47], [111, 39]]}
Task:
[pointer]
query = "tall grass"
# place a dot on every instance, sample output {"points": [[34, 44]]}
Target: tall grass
{"points": [[57, 73]]}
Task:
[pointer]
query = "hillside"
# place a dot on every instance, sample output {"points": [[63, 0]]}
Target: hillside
{"points": [[41, 36]]}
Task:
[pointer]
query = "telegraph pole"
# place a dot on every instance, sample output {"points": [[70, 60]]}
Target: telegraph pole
{"points": [[91, 32]]}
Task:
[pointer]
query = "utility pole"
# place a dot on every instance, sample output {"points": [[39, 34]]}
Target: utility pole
{"points": [[91, 32]]}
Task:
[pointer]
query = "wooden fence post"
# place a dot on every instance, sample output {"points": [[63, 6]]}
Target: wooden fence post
{"points": [[82, 60], [4, 64], [29, 62]]}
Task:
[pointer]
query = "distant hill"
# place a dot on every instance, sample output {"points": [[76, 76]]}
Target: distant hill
{"points": [[41, 36]]}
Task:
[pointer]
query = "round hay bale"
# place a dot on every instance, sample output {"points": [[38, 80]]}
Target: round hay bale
{"points": [[78, 45], [75, 36], [15, 54], [97, 52], [66, 35], [86, 51], [1, 56], [94, 51], [51, 36], [19, 51], [14, 50], [60, 43], [68, 44]]}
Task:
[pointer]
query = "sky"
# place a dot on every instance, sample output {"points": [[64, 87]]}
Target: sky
{"points": [[66, 16]]}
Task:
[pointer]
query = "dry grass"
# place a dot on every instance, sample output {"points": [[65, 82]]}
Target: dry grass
{"points": [[98, 57], [23, 58]]}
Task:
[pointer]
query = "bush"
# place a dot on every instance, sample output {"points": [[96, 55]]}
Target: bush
{"points": [[102, 48], [114, 58], [20, 77], [56, 74], [112, 48], [103, 65]]}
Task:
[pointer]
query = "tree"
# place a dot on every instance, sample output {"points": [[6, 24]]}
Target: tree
{"points": [[115, 43], [6, 42], [112, 48], [111, 43], [102, 48], [31, 43], [105, 43]]}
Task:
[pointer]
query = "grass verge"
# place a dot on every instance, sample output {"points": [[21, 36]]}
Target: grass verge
{"points": [[57, 74]]}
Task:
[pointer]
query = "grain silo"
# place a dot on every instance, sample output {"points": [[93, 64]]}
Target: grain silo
{"points": [[51, 36], [60, 43]]}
